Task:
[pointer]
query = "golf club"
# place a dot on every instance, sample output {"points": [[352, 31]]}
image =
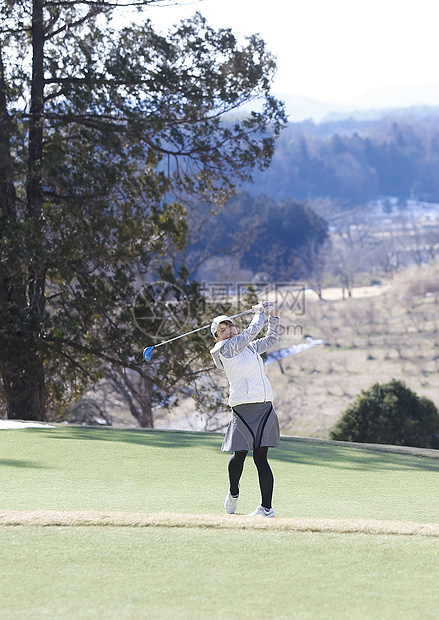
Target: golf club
{"points": [[147, 352]]}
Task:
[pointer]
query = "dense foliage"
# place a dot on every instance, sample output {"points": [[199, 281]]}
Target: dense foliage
{"points": [[279, 239], [89, 117], [390, 413]]}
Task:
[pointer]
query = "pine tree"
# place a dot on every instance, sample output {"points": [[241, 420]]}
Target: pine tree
{"points": [[88, 127]]}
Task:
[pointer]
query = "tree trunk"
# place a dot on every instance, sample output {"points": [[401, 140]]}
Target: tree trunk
{"points": [[35, 380], [145, 416], [22, 303]]}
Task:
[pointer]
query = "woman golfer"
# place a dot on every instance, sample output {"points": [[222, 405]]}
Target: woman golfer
{"points": [[254, 425]]}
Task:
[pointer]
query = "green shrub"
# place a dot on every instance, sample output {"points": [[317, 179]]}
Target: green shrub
{"points": [[390, 414]]}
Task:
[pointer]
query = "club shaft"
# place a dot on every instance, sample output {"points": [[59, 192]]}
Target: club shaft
{"points": [[198, 329]]}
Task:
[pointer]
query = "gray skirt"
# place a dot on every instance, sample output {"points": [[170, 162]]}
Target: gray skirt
{"points": [[252, 425]]}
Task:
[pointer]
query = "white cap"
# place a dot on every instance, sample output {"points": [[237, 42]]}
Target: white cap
{"points": [[222, 318]]}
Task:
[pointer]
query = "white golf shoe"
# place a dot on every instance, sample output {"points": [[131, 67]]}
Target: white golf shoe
{"points": [[262, 512], [230, 503]]}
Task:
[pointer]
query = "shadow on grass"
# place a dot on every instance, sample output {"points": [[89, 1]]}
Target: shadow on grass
{"points": [[24, 464], [349, 457], [142, 437], [296, 451]]}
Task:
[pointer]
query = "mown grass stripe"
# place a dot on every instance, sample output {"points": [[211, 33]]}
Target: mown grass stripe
{"points": [[45, 518]]}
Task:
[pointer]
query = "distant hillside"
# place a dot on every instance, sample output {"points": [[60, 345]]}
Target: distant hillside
{"points": [[353, 161]]}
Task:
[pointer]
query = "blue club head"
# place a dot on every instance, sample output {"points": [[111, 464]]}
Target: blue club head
{"points": [[147, 352]]}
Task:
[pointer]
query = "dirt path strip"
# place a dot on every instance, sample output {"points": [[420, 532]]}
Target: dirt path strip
{"points": [[44, 518]]}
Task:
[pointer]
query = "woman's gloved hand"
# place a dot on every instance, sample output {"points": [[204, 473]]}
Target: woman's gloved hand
{"points": [[264, 305]]}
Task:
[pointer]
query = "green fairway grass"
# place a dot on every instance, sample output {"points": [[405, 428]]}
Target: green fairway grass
{"points": [[136, 573], [140, 471], [190, 571]]}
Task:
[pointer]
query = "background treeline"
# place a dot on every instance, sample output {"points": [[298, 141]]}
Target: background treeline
{"points": [[355, 161]]}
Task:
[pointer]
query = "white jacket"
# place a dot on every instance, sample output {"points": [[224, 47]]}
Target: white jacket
{"points": [[240, 359]]}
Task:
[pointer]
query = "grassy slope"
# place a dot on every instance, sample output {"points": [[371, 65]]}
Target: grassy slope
{"points": [[393, 333], [97, 572]]}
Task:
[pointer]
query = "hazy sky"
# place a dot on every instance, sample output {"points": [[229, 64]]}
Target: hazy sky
{"points": [[331, 49]]}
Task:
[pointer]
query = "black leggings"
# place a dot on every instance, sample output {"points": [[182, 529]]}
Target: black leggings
{"points": [[266, 480]]}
